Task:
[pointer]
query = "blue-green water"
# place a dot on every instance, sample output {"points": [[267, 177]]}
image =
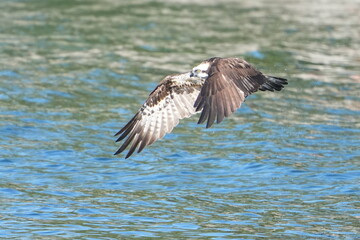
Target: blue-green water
{"points": [[285, 165]]}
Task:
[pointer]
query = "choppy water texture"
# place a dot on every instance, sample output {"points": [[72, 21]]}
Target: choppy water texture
{"points": [[284, 166]]}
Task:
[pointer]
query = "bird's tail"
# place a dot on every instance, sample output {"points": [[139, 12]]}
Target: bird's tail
{"points": [[273, 83]]}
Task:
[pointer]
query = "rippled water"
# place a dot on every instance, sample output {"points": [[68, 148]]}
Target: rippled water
{"points": [[72, 73]]}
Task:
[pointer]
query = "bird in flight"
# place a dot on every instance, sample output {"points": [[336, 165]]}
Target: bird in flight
{"points": [[215, 88]]}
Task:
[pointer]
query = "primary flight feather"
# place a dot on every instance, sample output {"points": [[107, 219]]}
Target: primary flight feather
{"points": [[216, 88]]}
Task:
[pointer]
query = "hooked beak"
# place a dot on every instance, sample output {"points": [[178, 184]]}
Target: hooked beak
{"points": [[191, 74]]}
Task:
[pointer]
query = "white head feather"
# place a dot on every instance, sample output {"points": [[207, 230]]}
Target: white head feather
{"points": [[201, 70]]}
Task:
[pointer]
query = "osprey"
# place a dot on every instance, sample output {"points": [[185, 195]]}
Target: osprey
{"points": [[216, 88]]}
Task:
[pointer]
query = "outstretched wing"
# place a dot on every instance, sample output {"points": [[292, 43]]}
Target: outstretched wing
{"points": [[229, 82], [171, 101]]}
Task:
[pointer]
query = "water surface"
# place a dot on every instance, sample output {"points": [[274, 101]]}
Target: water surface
{"points": [[285, 165]]}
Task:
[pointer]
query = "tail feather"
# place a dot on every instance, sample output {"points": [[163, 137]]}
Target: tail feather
{"points": [[273, 83]]}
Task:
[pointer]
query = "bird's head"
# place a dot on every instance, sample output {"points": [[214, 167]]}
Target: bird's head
{"points": [[201, 70]]}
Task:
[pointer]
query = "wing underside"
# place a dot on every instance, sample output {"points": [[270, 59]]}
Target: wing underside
{"points": [[158, 116]]}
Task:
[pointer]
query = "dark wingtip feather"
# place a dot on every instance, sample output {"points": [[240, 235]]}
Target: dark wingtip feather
{"points": [[121, 149], [129, 124], [117, 152], [209, 123], [212, 112], [131, 151], [204, 114], [273, 84]]}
